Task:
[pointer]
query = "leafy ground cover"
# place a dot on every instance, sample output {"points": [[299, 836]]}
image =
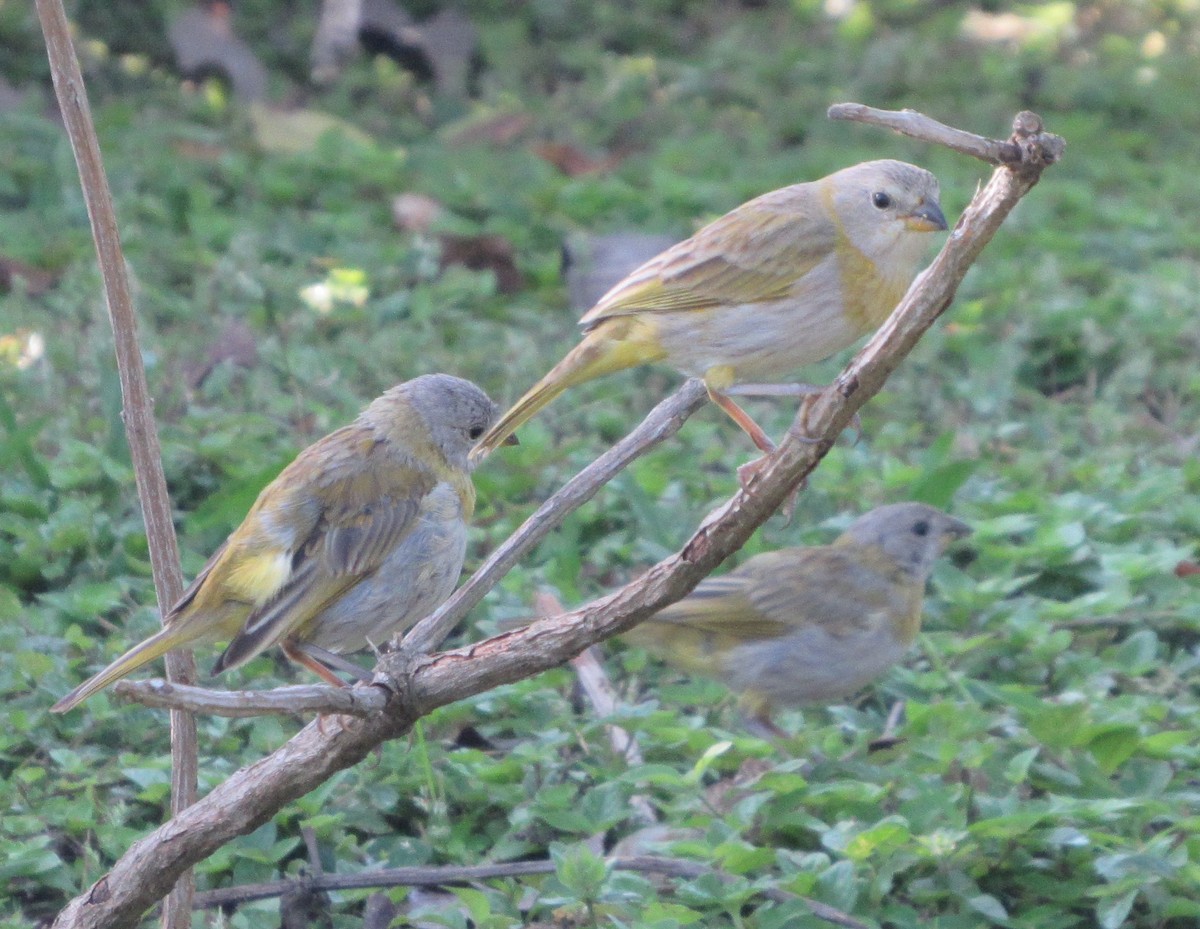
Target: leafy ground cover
{"points": [[1050, 754]]}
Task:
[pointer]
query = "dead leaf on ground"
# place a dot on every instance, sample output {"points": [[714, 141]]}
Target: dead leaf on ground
{"points": [[574, 161], [199, 151], [493, 129], [414, 212], [236, 343], [727, 792], [35, 281], [484, 253]]}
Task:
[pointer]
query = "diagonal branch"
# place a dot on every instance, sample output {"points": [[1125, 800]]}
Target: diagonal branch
{"points": [[420, 683], [1009, 152]]}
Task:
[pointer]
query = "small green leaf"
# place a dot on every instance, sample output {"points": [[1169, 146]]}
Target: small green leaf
{"points": [[711, 754], [1111, 912], [580, 870]]}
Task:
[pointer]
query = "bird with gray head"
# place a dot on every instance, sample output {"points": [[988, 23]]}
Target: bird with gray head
{"points": [[363, 534], [808, 625], [782, 281]]}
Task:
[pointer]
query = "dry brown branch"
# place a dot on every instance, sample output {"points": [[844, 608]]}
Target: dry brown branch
{"points": [[138, 407], [600, 693], [441, 876], [420, 683], [994, 151], [282, 701]]}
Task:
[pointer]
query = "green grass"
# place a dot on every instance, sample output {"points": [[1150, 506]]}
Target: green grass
{"points": [[1048, 769]]}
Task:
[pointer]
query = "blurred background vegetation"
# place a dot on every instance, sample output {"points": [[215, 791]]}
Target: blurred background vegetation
{"points": [[1050, 755]]}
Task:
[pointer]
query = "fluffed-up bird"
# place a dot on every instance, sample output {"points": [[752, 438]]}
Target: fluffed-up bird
{"points": [[784, 280], [363, 534], [808, 625]]}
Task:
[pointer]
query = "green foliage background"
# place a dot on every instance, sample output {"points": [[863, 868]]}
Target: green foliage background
{"points": [[1050, 758]]}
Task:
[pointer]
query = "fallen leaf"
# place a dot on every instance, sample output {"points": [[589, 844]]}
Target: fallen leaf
{"points": [[415, 212], [495, 129], [35, 281], [573, 161], [484, 253], [236, 343]]}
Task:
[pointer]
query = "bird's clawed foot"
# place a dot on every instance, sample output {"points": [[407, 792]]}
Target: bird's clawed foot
{"points": [[749, 472]]}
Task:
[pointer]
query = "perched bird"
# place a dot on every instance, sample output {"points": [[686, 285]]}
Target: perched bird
{"points": [[785, 280], [363, 534], [808, 625]]}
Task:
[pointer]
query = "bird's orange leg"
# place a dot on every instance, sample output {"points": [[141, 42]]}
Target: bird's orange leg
{"points": [[747, 472], [300, 655], [761, 440], [789, 390]]}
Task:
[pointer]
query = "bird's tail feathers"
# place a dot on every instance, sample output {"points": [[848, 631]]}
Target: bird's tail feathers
{"points": [[143, 653], [595, 356]]}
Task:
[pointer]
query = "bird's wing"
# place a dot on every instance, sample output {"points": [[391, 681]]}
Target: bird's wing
{"points": [[754, 254], [718, 606], [366, 513], [198, 581], [841, 589], [694, 633]]}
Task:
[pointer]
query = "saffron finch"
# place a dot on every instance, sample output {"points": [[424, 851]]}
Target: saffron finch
{"points": [[808, 625], [362, 535], [784, 280]]}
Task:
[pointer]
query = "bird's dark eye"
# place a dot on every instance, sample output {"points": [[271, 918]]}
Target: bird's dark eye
{"points": [[921, 528], [881, 199], [475, 432]]}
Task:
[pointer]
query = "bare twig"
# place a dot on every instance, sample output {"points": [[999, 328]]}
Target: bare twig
{"points": [[1009, 152], [662, 423], [887, 738], [598, 689], [282, 701], [423, 682], [600, 693], [443, 875], [1157, 620], [138, 412]]}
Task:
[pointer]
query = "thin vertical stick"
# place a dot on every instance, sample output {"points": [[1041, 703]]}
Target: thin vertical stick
{"points": [[138, 412]]}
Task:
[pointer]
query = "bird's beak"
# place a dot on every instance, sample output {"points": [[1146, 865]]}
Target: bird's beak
{"points": [[927, 217], [956, 529], [478, 453]]}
